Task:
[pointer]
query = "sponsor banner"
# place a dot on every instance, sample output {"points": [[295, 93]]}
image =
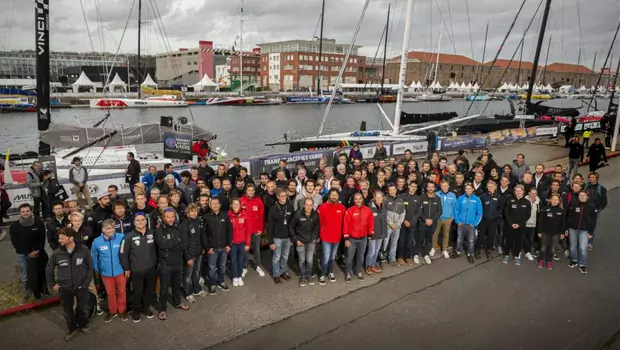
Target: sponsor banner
{"points": [[310, 159], [449, 144], [414, 147], [580, 127], [509, 135], [547, 131], [177, 145]]}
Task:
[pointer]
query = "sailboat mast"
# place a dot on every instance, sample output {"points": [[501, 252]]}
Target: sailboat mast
{"points": [[541, 37], [387, 31], [403, 67], [241, 52], [484, 51], [520, 60], [546, 60], [593, 64], [139, 43], [613, 89], [318, 71], [438, 48], [610, 109], [42, 44]]}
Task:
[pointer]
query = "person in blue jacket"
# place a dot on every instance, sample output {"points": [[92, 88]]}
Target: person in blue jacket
{"points": [[105, 252], [467, 215], [149, 178], [448, 202]]}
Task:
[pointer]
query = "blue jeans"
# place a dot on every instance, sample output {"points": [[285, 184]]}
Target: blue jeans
{"points": [[305, 253], [237, 259], [23, 259], [392, 239], [373, 251], [469, 232], [217, 260], [280, 256], [578, 238], [329, 254], [191, 277]]}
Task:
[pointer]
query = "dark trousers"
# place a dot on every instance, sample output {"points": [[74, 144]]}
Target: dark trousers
{"points": [[487, 230], [529, 244], [405, 242], [423, 239], [608, 140], [143, 286], [586, 142], [513, 240], [547, 242], [170, 277], [38, 205], [77, 318]]}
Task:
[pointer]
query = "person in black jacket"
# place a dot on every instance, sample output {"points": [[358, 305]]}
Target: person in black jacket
{"points": [[575, 155], [278, 218], [551, 228], [123, 218], [100, 211], [58, 221], [138, 257], [132, 172], [218, 234], [581, 222], [492, 206], [413, 209], [73, 265], [597, 157], [84, 235], [28, 239], [516, 213], [194, 231], [171, 250], [304, 233], [429, 215]]}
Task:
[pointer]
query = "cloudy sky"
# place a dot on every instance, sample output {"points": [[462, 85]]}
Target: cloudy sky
{"points": [[588, 25]]}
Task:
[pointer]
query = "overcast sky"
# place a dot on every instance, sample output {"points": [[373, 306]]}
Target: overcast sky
{"points": [[573, 24]]}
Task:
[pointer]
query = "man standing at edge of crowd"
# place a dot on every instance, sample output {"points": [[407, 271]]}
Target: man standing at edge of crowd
{"points": [[132, 172]]}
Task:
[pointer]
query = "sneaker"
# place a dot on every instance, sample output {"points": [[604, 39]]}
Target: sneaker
{"points": [[432, 252], [202, 293], [244, 272], [477, 255], [322, 280], [427, 260], [86, 330], [347, 278], [190, 299], [529, 256], [506, 259], [277, 280], [471, 259], [535, 253], [312, 280], [124, 316], [500, 251], [201, 281], [550, 265], [517, 262], [285, 277], [572, 264], [148, 314], [240, 281], [302, 282], [540, 264], [108, 317], [223, 287], [212, 290], [360, 276], [71, 335], [409, 261], [400, 261], [235, 283], [99, 311], [583, 270], [331, 277], [487, 254], [446, 255], [260, 271], [416, 259], [566, 253], [136, 317], [556, 257]]}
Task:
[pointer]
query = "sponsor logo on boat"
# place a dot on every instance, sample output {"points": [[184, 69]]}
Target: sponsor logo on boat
{"points": [[111, 103]]}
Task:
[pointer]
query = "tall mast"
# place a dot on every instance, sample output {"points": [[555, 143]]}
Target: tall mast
{"points": [[546, 61], [611, 108], [139, 42], [520, 60], [593, 65], [484, 51], [42, 45], [318, 72], [241, 52], [403, 67], [541, 37], [387, 31], [613, 89], [438, 48]]}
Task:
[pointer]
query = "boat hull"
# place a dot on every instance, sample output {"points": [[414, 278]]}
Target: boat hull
{"points": [[315, 100], [119, 103], [241, 101]]}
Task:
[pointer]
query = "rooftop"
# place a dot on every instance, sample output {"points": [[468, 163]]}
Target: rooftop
{"points": [[568, 68], [504, 64]]}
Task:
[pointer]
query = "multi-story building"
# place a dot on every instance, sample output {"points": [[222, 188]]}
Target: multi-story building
{"points": [[251, 69], [186, 66], [294, 64], [421, 67]]}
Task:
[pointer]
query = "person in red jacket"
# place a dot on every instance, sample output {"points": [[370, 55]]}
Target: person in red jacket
{"points": [[241, 241], [359, 224], [331, 217], [254, 210]]}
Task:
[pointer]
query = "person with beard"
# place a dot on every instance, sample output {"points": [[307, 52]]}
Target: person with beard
{"points": [[233, 171], [307, 192], [400, 171], [291, 190], [28, 239], [262, 184], [192, 227], [334, 183], [239, 189], [203, 204], [346, 194], [507, 171], [254, 210], [450, 174], [100, 211], [458, 187], [541, 180], [140, 205], [73, 265], [114, 196], [331, 218], [367, 195], [123, 218], [597, 156], [517, 212], [205, 172], [430, 212], [58, 221], [187, 187], [380, 184]]}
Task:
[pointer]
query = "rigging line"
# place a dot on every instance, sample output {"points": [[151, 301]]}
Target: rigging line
{"points": [[581, 50], [598, 80], [342, 68], [471, 42], [101, 37], [376, 53], [118, 49], [501, 47], [452, 25], [316, 28], [447, 31]]}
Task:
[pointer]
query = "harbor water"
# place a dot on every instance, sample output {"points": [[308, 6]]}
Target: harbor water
{"points": [[243, 130]]}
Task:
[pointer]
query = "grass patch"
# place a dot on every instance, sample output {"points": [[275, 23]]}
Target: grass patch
{"points": [[10, 294]]}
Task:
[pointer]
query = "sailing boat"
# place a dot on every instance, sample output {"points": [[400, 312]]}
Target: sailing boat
{"points": [[431, 95], [149, 102], [319, 98]]}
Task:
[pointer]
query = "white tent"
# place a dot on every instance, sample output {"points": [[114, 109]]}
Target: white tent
{"points": [[504, 87], [204, 83], [476, 87], [463, 87], [83, 80], [149, 81], [117, 82], [549, 88]]}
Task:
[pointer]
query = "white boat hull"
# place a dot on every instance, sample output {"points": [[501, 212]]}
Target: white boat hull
{"points": [[434, 97], [108, 103]]}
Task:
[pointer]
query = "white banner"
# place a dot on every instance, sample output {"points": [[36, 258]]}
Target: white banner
{"points": [[547, 131], [594, 125], [414, 147]]}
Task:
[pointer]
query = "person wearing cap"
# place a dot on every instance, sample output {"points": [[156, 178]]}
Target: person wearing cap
{"points": [[159, 183], [78, 176]]}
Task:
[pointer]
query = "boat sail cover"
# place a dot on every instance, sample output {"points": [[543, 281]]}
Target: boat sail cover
{"points": [[148, 81], [69, 136]]}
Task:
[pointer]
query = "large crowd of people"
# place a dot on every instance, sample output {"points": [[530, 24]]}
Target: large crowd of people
{"points": [[182, 230]]}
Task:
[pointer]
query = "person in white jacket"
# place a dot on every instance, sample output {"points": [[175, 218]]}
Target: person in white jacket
{"points": [[529, 246], [395, 218]]}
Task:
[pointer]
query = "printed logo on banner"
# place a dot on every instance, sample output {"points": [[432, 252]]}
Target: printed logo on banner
{"points": [[177, 145], [171, 143], [547, 131]]}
